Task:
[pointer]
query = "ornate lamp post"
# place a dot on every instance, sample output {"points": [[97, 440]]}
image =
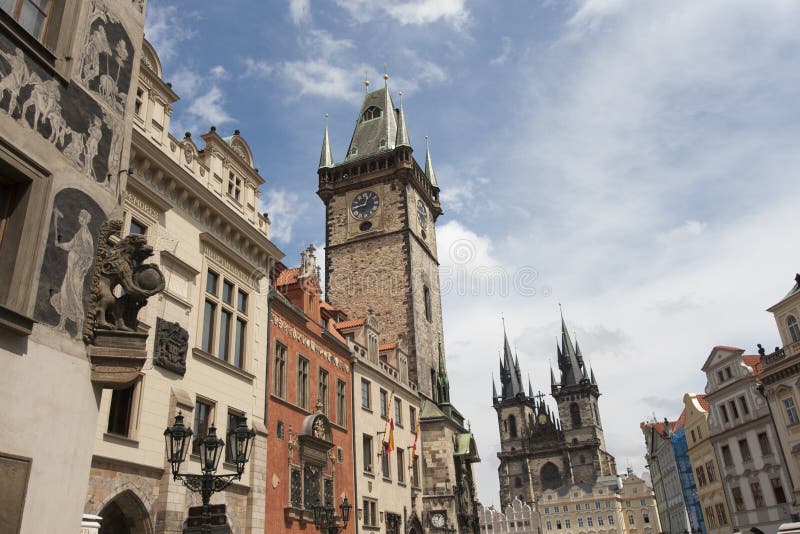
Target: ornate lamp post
{"points": [[177, 439], [326, 521]]}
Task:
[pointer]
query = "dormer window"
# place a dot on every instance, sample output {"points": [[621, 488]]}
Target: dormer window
{"points": [[353, 151], [794, 329], [372, 112], [383, 143], [235, 187]]}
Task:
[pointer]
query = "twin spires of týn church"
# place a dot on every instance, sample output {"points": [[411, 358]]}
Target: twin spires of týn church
{"points": [[541, 449]]}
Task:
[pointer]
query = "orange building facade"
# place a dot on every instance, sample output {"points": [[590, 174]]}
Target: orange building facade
{"points": [[309, 403]]}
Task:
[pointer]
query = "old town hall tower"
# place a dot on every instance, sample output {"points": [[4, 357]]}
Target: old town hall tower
{"points": [[543, 450], [381, 209]]}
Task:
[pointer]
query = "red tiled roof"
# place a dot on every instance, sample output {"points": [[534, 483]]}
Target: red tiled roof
{"points": [[703, 402], [388, 346], [289, 276], [680, 422], [336, 334], [725, 347], [349, 324], [325, 305], [753, 361]]}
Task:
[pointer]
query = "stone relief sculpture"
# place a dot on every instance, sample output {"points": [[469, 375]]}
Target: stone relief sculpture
{"points": [[120, 266], [68, 302], [172, 342]]}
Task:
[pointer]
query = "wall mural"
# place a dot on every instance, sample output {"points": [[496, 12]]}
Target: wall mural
{"points": [[65, 278], [66, 116]]}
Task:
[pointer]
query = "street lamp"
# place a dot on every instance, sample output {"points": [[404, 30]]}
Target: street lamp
{"points": [[177, 442], [326, 520]]}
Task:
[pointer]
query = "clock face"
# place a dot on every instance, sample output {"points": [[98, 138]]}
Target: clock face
{"points": [[437, 520], [422, 214], [542, 419], [364, 205]]}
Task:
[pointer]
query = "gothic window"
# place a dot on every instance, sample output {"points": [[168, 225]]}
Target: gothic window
{"points": [[426, 296], [372, 112], [550, 476], [512, 426], [794, 329], [575, 415]]}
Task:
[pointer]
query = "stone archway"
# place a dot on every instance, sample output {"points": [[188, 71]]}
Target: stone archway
{"points": [[125, 514]]}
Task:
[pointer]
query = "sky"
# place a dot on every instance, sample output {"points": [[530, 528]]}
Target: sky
{"points": [[634, 161]]}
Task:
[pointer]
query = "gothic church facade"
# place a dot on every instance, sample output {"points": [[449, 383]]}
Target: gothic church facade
{"points": [[542, 449]]}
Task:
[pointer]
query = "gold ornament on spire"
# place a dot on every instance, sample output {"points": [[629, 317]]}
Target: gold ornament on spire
{"points": [[366, 81]]}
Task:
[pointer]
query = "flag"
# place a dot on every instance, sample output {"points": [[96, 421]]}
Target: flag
{"points": [[388, 445]]}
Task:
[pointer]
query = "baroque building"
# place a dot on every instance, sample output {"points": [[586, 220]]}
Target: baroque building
{"points": [[67, 96], [309, 408], [195, 203], [542, 449], [381, 209], [742, 433]]}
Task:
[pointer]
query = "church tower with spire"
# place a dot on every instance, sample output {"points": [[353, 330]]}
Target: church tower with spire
{"points": [[381, 208], [541, 448]]}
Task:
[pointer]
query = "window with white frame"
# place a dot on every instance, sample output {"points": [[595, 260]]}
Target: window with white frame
{"points": [[790, 409], [794, 328], [235, 187], [224, 319]]}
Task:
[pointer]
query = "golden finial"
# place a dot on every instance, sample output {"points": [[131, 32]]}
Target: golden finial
{"points": [[385, 75], [366, 81]]}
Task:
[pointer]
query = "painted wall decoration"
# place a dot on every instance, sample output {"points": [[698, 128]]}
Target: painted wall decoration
{"points": [[66, 116], [107, 61], [65, 277]]}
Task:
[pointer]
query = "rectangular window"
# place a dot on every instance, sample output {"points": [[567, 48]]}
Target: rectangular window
{"points": [[763, 442], [279, 371], [567, 523], [322, 390], [734, 410], [234, 418], [777, 489], [203, 412], [546, 509], [758, 497], [722, 517], [366, 400], [580, 522], [744, 448], [630, 519], [224, 321], [587, 506], [366, 447], [589, 521], [30, 14], [121, 411], [738, 499], [549, 525], [727, 457], [302, 382], [412, 418], [415, 472], [235, 187], [701, 476], [600, 521], [384, 404], [610, 520], [711, 472], [341, 402], [724, 413], [279, 430], [398, 412], [791, 411], [137, 228], [577, 507], [709, 511], [401, 466], [558, 524], [597, 505], [426, 297], [387, 474], [743, 404], [370, 513]]}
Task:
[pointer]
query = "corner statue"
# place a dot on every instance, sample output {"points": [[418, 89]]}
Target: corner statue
{"points": [[118, 262]]}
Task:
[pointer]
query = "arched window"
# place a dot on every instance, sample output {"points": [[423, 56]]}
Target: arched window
{"points": [[426, 297], [372, 112], [517, 482], [551, 478], [512, 426], [575, 415], [794, 329]]}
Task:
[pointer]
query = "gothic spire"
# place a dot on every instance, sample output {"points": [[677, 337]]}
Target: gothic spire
{"points": [[444, 382], [402, 131], [593, 379], [429, 172], [570, 364], [530, 388], [326, 156], [510, 377]]}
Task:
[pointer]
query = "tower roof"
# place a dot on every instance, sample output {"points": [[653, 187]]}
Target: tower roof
{"points": [[429, 172], [510, 377], [376, 127], [570, 361], [326, 156], [402, 131]]}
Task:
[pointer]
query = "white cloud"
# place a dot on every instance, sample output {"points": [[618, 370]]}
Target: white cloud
{"points": [[300, 11], [504, 54], [257, 68], [410, 12], [186, 83], [166, 29], [284, 208], [318, 77], [218, 71], [687, 230], [203, 111], [316, 42]]}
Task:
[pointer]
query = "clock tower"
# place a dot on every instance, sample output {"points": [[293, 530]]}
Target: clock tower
{"points": [[381, 209]]}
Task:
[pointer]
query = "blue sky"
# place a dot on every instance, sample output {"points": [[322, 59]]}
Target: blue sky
{"points": [[634, 160]]}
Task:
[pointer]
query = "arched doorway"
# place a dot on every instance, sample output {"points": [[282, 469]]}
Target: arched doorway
{"points": [[125, 514]]}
